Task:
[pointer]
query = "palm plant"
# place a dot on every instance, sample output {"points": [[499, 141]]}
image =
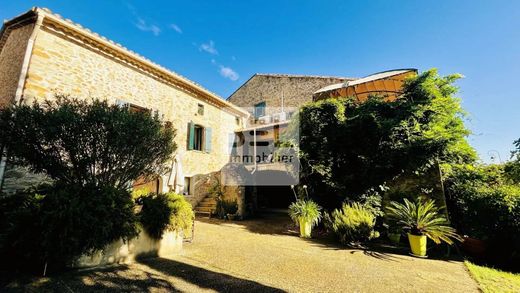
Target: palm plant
{"points": [[423, 218], [306, 213]]}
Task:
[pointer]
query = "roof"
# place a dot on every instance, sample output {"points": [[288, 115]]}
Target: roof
{"points": [[302, 76], [372, 77], [287, 75], [141, 62]]}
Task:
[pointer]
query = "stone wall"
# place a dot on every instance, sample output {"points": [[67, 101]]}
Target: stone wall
{"points": [[234, 191], [11, 59], [121, 252], [61, 65], [269, 88]]}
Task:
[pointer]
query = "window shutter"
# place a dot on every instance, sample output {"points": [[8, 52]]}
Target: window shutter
{"points": [[191, 135], [231, 143], [208, 140]]}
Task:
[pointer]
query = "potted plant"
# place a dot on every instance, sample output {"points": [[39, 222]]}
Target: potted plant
{"points": [[394, 234], [231, 208], [306, 214], [421, 220]]}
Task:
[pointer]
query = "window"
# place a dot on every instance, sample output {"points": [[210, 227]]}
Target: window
{"points": [[237, 120], [137, 109], [199, 137], [132, 107], [200, 109], [259, 110]]}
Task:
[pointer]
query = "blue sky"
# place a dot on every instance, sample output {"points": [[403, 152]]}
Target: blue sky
{"points": [[220, 44]]}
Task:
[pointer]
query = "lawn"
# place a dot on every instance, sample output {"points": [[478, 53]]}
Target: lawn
{"points": [[493, 280]]}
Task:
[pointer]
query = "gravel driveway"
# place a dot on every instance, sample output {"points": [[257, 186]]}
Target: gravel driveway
{"points": [[265, 255]]}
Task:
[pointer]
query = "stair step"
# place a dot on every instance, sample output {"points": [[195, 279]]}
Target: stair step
{"points": [[206, 206], [202, 214], [209, 199], [204, 209]]}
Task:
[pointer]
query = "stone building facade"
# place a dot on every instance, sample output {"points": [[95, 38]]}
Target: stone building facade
{"points": [[13, 44], [42, 54], [277, 96], [271, 89]]}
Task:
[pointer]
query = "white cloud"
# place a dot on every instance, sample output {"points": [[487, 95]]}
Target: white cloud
{"points": [[229, 73], [176, 28], [145, 27], [131, 8], [209, 47]]}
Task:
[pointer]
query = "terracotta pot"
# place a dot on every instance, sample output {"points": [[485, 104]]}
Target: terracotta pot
{"points": [[474, 247]]}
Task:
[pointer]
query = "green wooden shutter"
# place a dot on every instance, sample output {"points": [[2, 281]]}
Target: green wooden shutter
{"points": [[207, 144], [191, 135]]}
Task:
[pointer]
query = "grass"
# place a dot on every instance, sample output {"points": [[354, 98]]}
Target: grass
{"points": [[493, 280]]}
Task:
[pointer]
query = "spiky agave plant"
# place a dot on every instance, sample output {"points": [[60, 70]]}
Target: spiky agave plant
{"points": [[305, 210], [423, 217]]}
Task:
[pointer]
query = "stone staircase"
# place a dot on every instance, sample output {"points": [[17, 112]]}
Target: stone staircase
{"points": [[206, 207]]}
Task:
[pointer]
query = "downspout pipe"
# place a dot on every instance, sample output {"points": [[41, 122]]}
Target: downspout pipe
{"points": [[21, 83], [254, 151]]}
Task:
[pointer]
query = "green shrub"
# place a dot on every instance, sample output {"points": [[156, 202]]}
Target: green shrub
{"points": [[347, 147], [155, 213], [487, 208], [79, 220], [165, 212], [225, 207], [485, 211], [183, 215], [63, 223], [79, 141], [20, 231], [305, 210], [352, 223], [92, 151], [512, 168]]}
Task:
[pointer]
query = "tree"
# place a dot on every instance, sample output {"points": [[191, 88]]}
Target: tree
{"points": [[92, 151], [512, 168], [349, 148], [86, 143]]}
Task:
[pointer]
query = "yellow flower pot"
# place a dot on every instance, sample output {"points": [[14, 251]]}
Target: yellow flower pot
{"points": [[417, 244], [305, 228]]}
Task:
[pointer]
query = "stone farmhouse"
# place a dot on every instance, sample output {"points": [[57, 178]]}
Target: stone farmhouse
{"points": [[272, 99], [271, 94], [43, 54]]}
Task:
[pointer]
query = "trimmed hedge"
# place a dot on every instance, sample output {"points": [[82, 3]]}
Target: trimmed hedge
{"points": [[60, 223], [165, 212], [484, 206]]}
